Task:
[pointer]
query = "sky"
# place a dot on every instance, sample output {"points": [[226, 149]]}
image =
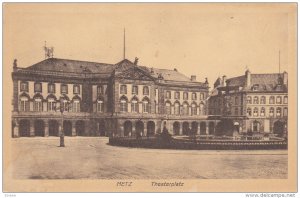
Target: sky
{"points": [[206, 40]]}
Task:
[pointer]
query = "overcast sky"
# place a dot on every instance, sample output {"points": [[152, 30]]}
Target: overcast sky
{"points": [[197, 39]]}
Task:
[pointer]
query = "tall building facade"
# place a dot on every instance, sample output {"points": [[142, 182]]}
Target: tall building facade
{"points": [[98, 99], [255, 103]]}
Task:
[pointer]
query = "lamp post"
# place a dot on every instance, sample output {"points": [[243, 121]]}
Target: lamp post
{"points": [[62, 135]]}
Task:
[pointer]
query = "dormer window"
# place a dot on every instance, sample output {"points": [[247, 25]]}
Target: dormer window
{"points": [[255, 88]]}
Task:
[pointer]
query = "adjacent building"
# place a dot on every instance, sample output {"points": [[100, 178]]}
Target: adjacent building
{"points": [[83, 98], [251, 103]]}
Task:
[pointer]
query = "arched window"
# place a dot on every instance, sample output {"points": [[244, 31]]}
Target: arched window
{"points": [[65, 104], [146, 105], [185, 96], [76, 105], [249, 112], [201, 109], [51, 104], [135, 89], [255, 100], [255, 111], [24, 103], [76, 89], [168, 108], [134, 105], [249, 100], [194, 109], [263, 100], [37, 104], [278, 112], [185, 109], [100, 105], [278, 100], [194, 96], [271, 112], [285, 100], [123, 89], [177, 108], [146, 90], [51, 88], [271, 100], [123, 104], [262, 111], [236, 100], [236, 111]]}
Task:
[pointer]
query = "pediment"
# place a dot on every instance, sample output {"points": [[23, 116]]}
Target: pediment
{"points": [[135, 73]]}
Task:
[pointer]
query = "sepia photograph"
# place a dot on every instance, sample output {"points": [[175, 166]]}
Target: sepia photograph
{"points": [[149, 97]]}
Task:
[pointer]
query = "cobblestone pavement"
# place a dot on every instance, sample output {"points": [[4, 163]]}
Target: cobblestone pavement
{"points": [[92, 158]]}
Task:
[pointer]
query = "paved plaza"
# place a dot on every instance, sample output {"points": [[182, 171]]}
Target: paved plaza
{"points": [[93, 158]]}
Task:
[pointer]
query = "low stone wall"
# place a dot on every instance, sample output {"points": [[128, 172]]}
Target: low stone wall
{"points": [[157, 143]]}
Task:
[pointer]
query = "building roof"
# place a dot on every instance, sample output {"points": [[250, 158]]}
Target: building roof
{"points": [[76, 66], [259, 79]]}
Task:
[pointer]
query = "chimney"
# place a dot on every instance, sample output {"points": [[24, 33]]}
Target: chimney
{"points": [[193, 78], [175, 69], [15, 65], [248, 78], [285, 78], [136, 61], [224, 78]]}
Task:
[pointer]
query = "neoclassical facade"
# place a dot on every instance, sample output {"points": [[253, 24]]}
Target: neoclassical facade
{"points": [[97, 99], [256, 103]]}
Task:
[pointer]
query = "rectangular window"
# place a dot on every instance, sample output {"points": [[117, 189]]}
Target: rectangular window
{"points": [[168, 95], [201, 96], [194, 96], [37, 104], [24, 86], [177, 95], [185, 96], [37, 87], [76, 106], [51, 88], [64, 89], [123, 89], [135, 90], [76, 89], [100, 106]]}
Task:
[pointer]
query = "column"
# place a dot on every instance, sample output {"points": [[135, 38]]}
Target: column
{"points": [[46, 128], [16, 100], [198, 131], [60, 127], [31, 128]]}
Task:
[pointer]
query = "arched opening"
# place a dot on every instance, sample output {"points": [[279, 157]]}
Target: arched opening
{"points": [[39, 128], [13, 124], [279, 128], [255, 126], [24, 128], [150, 128], [211, 128], [202, 128], [176, 128], [139, 127], [194, 128], [53, 128], [236, 127], [185, 128], [127, 128], [67, 128], [80, 128], [101, 128]]}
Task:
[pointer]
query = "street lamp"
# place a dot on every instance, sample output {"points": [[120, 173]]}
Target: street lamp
{"points": [[62, 135]]}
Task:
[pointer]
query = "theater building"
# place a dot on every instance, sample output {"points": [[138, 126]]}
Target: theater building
{"points": [[255, 103], [98, 99]]}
